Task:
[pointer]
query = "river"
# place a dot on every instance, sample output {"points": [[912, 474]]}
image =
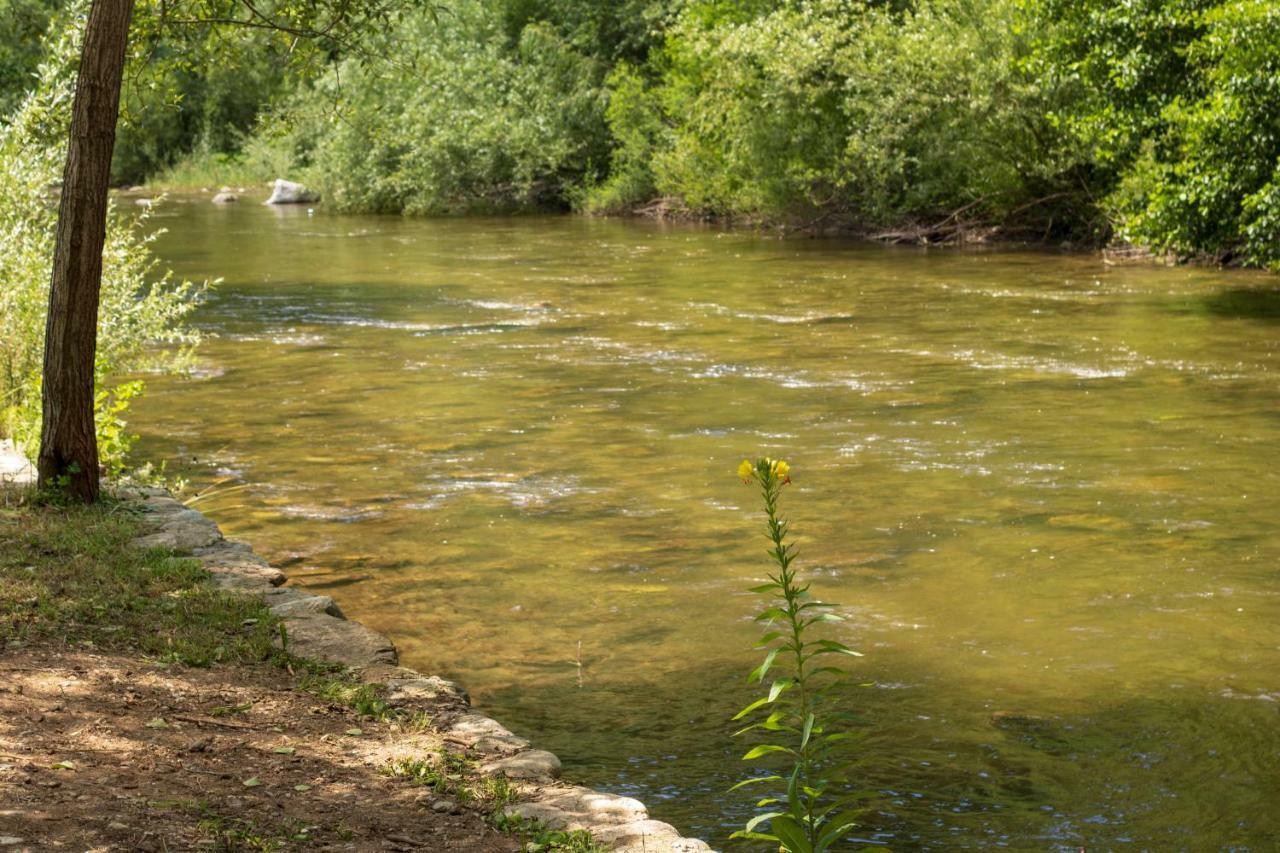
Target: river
{"points": [[1042, 487]]}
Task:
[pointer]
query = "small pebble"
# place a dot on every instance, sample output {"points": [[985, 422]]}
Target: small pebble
{"points": [[444, 806]]}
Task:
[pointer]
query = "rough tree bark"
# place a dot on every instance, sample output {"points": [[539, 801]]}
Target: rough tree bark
{"points": [[68, 448]]}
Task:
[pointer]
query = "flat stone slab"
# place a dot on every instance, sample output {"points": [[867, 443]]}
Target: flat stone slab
{"points": [[470, 728], [532, 764], [638, 833], [176, 527], [329, 638], [181, 530], [660, 844], [301, 604], [414, 688], [593, 807], [242, 584], [225, 558]]}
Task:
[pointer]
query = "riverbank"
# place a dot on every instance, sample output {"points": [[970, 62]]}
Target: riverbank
{"points": [[947, 233], [214, 707]]}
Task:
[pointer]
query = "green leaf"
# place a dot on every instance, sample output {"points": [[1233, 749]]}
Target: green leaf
{"points": [[765, 587], [832, 647], [766, 749], [759, 672], [771, 614], [831, 833], [808, 730], [791, 834], [759, 819], [831, 669], [838, 736], [755, 836], [774, 722], [767, 639], [754, 780], [779, 687], [252, 782], [756, 704]]}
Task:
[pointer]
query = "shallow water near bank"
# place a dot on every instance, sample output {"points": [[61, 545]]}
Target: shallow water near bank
{"points": [[1042, 488]]}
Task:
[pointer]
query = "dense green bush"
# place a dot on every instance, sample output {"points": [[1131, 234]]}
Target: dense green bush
{"points": [[456, 118], [1210, 181], [141, 310], [844, 108], [1149, 121], [198, 91], [22, 27]]}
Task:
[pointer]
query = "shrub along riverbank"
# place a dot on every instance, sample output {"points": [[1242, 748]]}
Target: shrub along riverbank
{"points": [[1154, 123]]}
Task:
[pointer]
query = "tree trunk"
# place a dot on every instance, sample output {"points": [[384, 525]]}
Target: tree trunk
{"points": [[68, 448]]}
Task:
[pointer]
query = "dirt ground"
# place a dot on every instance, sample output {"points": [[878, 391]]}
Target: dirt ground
{"points": [[101, 752]]}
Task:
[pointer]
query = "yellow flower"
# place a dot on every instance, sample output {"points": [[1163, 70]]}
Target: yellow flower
{"points": [[746, 469], [781, 470]]}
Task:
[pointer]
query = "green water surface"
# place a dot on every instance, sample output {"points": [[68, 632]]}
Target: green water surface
{"points": [[1043, 488]]}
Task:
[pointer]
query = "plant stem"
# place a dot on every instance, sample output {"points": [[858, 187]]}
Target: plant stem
{"points": [[770, 488]]}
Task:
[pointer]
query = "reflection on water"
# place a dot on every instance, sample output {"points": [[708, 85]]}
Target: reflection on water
{"points": [[1042, 486]]}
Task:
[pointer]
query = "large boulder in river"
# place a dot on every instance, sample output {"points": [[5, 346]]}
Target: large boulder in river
{"points": [[289, 192], [225, 198]]}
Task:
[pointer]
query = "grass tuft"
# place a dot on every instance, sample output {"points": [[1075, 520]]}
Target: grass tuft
{"points": [[69, 574]]}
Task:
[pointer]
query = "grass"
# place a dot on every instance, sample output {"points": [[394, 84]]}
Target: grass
{"points": [[452, 774], [211, 171], [69, 575], [235, 833], [537, 837]]}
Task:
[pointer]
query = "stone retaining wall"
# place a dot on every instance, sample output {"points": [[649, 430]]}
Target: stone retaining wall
{"points": [[316, 628]]}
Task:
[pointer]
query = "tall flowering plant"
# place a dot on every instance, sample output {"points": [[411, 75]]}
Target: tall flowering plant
{"points": [[807, 811]]}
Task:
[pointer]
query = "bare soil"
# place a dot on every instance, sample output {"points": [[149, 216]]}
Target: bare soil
{"points": [[104, 752]]}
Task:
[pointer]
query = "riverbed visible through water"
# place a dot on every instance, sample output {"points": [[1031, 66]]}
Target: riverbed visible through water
{"points": [[1042, 488]]}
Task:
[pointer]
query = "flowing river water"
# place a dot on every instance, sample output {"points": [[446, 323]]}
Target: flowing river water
{"points": [[1042, 488]]}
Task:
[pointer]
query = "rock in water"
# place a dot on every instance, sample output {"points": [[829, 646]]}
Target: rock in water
{"points": [[288, 192], [225, 198]]}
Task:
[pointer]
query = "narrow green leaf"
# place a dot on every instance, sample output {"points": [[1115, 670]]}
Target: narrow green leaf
{"points": [[755, 780], [838, 826], [791, 834], [759, 672], [767, 639], [759, 819], [766, 749], [756, 704], [755, 836]]}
